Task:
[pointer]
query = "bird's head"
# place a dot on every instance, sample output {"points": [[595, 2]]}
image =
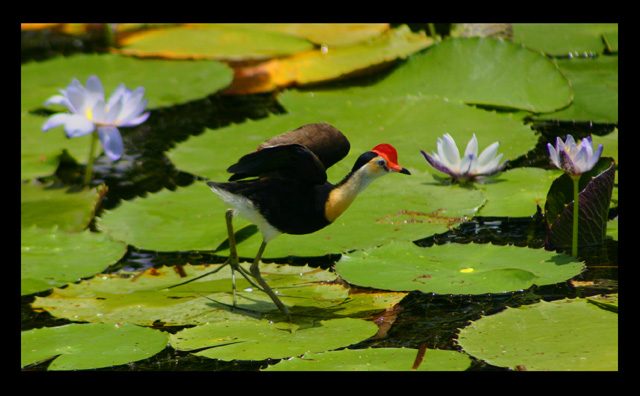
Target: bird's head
{"points": [[382, 159]]}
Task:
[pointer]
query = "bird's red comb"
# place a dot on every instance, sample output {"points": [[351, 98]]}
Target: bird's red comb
{"points": [[387, 151]]}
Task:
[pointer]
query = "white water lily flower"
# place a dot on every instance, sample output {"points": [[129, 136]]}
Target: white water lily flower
{"points": [[471, 166], [88, 111], [574, 159]]}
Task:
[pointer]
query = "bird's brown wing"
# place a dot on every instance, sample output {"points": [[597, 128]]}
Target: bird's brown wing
{"points": [[291, 161], [322, 139]]}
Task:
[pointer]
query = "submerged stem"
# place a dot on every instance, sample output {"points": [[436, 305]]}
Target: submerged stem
{"points": [[92, 149]]}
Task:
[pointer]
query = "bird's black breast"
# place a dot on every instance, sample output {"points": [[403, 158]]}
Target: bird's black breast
{"points": [[291, 207]]}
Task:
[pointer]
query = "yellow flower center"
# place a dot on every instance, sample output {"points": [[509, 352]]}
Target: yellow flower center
{"points": [[89, 114]]}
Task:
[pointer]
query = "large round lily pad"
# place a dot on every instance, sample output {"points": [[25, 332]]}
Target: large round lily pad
{"points": [[595, 83], [48, 206], [456, 269], [50, 257], [147, 298], [562, 39], [570, 334], [265, 340], [89, 346], [213, 41], [485, 71]]}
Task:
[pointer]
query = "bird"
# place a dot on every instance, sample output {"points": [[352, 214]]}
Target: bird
{"points": [[282, 187]]}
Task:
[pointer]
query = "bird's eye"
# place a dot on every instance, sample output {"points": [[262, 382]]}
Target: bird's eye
{"points": [[382, 163]]}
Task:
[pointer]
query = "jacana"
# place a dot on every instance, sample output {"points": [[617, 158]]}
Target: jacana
{"points": [[282, 187]]}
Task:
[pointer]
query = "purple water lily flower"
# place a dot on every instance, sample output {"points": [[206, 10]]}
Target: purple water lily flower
{"points": [[88, 111], [574, 159], [471, 166]]}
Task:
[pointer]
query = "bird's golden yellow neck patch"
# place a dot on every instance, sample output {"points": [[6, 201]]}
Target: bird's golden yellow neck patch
{"points": [[346, 192], [339, 200]]}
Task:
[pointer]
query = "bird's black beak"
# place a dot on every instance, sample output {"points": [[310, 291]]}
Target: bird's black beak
{"points": [[405, 171]]}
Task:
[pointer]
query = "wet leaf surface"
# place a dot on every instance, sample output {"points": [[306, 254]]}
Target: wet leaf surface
{"points": [[561, 335], [456, 269]]}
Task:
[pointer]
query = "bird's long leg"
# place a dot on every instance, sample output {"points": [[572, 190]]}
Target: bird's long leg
{"points": [[233, 260], [255, 271]]}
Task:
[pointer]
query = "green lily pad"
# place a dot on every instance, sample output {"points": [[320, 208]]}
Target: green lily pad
{"points": [[90, 346], [611, 41], [169, 221], [595, 84], [484, 71], [375, 359], [213, 41], [562, 39], [557, 335], [612, 229], [456, 269], [145, 298], [166, 83], [530, 185], [40, 152], [46, 206], [608, 302], [610, 143], [52, 258], [331, 34], [266, 340], [594, 79]]}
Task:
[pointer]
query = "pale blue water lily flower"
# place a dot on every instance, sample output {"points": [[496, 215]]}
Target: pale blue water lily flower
{"points": [[574, 159], [471, 166], [88, 111]]}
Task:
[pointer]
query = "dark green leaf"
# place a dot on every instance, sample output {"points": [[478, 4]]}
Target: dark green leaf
{"points": [[596, 187]]}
